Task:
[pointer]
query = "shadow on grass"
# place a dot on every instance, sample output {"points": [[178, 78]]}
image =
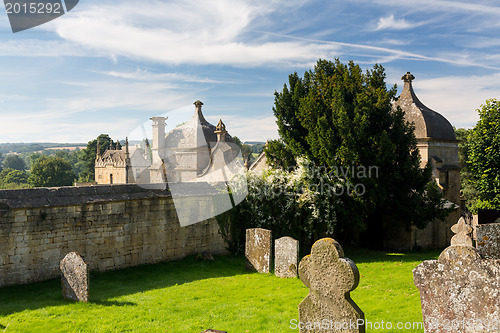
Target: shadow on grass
{"points": [[113, 303], [104, 286], [361, 256]]}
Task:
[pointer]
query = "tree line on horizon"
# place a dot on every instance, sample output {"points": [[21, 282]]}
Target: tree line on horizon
{"points": [[51, 168]]}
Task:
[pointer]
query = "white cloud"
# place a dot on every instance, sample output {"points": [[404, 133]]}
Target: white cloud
{"points": [[390, 22], [44, 48], [178, 32], [144, 75]]}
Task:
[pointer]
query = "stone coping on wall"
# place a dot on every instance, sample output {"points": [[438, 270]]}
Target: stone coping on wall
{"points": [[75, 195], [78, 195]]}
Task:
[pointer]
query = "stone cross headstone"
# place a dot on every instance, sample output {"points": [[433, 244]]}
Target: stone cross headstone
{"points": [[488, 240], [258, 250], [462, 231], [286, 256], [74, 278], [459, 292], [330, 278]]}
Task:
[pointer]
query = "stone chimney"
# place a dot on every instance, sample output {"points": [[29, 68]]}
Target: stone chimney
{"points": [[158, 132], [158, 138]]}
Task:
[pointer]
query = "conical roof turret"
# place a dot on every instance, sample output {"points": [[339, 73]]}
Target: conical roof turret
{"points": [[429, 124]]}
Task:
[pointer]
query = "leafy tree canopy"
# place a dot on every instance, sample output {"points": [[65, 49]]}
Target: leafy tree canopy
{"points": [[88, 156], [14, 162], [279, 156], [341, 120], [51, 171], [483, 160], [246, 150], [12, 176]]}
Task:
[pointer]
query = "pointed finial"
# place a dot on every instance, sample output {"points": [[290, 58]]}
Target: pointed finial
{"points": [[198, 104], [221, 127], [126, 146], [198, 112], [408, 77], [462, 231], [220, 130]]}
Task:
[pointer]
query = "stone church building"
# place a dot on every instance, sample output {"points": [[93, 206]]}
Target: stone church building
{"points": [[437, 144], [196, 151]]}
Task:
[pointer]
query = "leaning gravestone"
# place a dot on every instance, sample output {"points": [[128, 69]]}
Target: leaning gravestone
{"points": [[258, 250], [459, 292], [488, 240], [330, 278], [74, 278], [286, 256]]}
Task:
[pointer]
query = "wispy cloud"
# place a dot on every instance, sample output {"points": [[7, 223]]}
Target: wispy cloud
{"points": [[45, 48], [440, 5], [180, 32], [393, 54], [390, 22], [144, 75]]}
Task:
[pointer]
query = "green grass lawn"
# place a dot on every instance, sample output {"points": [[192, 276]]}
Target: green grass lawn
{"points": [[190, 296]]}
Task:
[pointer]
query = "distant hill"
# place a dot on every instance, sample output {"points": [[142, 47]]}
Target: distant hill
{"points": [[254, 143], [22, 147], [256, 146]]}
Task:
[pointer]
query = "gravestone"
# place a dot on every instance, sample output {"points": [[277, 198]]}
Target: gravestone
{"points": [[286, 256], [258, 250], [459, 292], [330, 278], [488, 240], [74, 278]]}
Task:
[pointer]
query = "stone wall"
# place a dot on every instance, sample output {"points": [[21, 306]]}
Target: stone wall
{"points": [[112, 227]]}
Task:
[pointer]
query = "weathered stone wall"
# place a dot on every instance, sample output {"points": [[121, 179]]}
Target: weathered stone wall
{"points": [[110, 226]]}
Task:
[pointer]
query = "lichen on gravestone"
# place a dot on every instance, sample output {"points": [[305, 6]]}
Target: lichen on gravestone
{"points": [[330, 278], [74, 278], [488, 240], [460, 287], [286, 256], [258, 250]]}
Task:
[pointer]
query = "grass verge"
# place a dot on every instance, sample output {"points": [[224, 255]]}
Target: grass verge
{"points": [[191, 296]]}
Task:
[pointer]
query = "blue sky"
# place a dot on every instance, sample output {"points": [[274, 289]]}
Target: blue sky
{"points": [[108, 66]]}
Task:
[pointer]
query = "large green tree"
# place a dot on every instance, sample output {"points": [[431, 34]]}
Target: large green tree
{"points": [[88, 156], [466, 177], [11, 178], [14, 162], [484, 158], [51, 171], [342, 120]]}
